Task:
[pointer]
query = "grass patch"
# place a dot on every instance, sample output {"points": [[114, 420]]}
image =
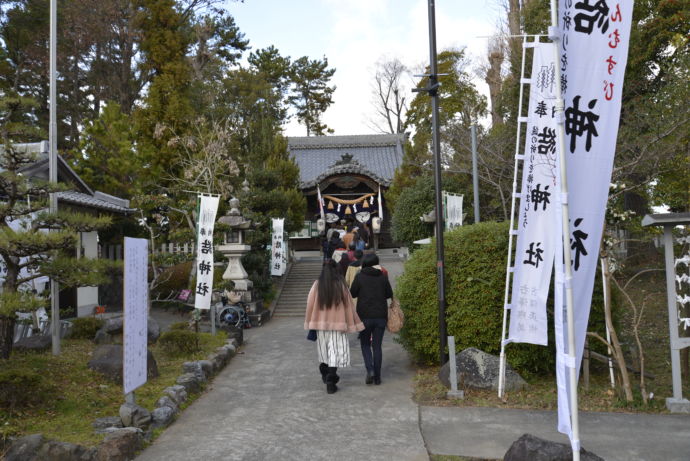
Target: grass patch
{"points": [[81, 395]]}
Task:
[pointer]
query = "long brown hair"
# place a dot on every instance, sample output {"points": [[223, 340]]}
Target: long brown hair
{"points": [[331, 286]]}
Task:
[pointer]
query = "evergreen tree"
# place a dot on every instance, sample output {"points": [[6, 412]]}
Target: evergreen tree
{"points": [[311, 95]]}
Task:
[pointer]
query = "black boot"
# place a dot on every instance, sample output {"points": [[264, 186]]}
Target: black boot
{"points": [[370, 377], [332, 379], [323, 368]]}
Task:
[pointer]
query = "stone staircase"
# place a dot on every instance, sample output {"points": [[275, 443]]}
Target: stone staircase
{"points": [[292, 301]]}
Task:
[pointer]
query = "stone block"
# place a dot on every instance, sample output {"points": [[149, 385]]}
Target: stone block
{"points": [[120, 445], [34, 343], [478, 370], [162, 416], [101, 424], [133, 415], [64, 451], [167, 401], [25, 448], [678, 405], [177, 393], [190, 382]]}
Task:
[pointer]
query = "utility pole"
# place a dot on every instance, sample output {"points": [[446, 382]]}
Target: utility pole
{"points": [[52, 168], [432, 89], [475, 175]]}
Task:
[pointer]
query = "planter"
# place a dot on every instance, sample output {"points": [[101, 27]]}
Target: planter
{"points": [[6, 336]]}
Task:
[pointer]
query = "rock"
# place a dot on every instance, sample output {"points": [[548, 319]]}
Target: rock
{"points": [[162, 416], [218, 361], [34, 343], [231, 347], [64, 451], [225, 352], [120, 445], [478, 370], [102, 337], [167, 401], [101, 424], [531, 448], [195, 369], [113, 325], [190, 382], [25, 448], [177, 393], [107, 359], [236, 333], [154, 331], [133, 415], [206, 367]]}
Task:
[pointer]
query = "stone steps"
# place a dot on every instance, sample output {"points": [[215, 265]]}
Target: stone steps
{"points": [[293, 298]]}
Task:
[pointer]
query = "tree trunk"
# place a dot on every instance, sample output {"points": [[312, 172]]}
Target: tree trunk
{"points": [[493, 79], [6, 336]]}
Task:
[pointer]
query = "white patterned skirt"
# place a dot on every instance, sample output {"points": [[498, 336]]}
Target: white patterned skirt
{"points": [[333, 348]]}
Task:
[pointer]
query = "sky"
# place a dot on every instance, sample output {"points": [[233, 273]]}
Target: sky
{"points": [[355, 34]]}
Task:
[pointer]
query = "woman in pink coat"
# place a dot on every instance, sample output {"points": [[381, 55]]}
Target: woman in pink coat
{"points": [[331, 311]]}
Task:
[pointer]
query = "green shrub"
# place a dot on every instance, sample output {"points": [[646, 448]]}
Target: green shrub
{"points": [[179, 342], [475, 261], [20, 388], [174, 279], [85, 327], [179, 326], [413, 202]]}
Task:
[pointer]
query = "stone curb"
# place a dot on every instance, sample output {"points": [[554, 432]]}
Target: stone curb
{"points": [[121, 443]]}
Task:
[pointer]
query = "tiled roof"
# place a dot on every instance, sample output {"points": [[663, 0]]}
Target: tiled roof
{"points": [[376, 156], [99, 200]]}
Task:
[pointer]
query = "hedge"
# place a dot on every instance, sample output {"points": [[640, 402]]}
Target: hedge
{"points": [[475, 263]]}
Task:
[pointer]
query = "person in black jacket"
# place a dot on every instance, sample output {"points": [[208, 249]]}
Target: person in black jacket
{"points": [[372, 288]]}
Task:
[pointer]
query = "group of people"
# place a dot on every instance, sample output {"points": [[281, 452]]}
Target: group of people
{"points": [[345, 238], [349, 301]]}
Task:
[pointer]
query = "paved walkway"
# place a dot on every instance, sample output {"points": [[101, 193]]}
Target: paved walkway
{"points": [[270, 404]]}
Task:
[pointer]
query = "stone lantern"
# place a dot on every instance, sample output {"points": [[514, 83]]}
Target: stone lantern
{"points": [[234, 248]]}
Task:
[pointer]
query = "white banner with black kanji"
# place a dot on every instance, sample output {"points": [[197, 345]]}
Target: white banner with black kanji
{"points": [[278, 248], [538, 230], [593, 55], [208, 207]]}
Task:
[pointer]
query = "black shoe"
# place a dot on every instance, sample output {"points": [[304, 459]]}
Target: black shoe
{"points": [[377, 380], [370, 378], [323, 368], [331, 388]]}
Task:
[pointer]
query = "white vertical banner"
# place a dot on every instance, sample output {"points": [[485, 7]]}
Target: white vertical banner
{"points": [[593, 53], [537, 229], [136, 301], [452, 210], [208, 207], [278, 248]]}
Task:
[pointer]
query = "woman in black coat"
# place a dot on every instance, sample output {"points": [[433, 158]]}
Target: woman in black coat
{"points": [[372, 289]]}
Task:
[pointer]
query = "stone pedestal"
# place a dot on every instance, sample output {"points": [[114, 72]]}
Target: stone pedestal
{"points": [[678, 405], [235, 271]]}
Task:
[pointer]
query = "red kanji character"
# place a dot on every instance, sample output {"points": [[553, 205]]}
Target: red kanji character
{"points": [[611, 63], [616, 39], [608, 90], [617, 16]]}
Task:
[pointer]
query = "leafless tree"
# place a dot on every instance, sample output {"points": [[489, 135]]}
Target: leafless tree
{"points": [[389, 90]]}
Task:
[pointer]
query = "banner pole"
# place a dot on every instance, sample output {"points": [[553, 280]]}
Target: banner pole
{"points": [[572, 356], [502, 357]]}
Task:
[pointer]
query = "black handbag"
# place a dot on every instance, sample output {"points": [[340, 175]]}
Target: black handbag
{"points": [[311, 336]]}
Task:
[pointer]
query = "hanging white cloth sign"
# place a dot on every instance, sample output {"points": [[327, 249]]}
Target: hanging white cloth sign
{"points": [[538, 230], [453, 210], [278, 248], [208, 207], [593, 56]]}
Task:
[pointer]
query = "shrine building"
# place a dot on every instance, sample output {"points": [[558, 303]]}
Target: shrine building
{"points": [[350, 174]]}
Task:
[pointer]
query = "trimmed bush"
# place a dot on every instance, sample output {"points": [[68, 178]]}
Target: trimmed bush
{"points": [[475, 258], [20, 388], [179, 342], [85, 327], [179, 326]]}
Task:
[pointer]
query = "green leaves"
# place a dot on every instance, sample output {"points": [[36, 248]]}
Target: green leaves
{"points": [[311, 95]]}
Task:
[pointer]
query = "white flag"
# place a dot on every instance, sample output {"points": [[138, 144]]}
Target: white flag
{"points": [[593, 55], [136, 307], [208, 206], [278, 248], [538, 230]]}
